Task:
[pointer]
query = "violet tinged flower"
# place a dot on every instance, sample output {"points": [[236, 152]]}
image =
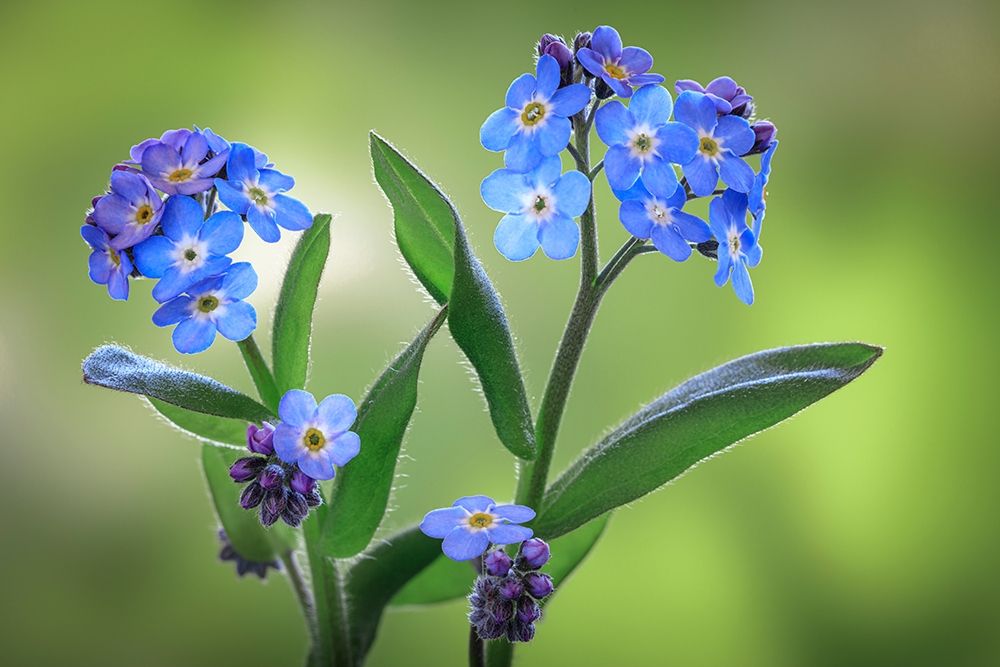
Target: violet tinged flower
{"points": [[107, 265], [316, 437], [539, 207], [728, 96], [555, 46], [244, 565], [764, 133], [219, 145], [757, 198], [738, 249], [533, 554], [619, 68], [180, 163], [213, 305], [642, 143], [257, 194], [472, 523], [534, 123], [190, 249], [721, 140], [130, 212], [661, 219], [260, 439]]}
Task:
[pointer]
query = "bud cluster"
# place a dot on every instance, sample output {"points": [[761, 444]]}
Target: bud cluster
{"points": [[229, 553], [504, 599]]}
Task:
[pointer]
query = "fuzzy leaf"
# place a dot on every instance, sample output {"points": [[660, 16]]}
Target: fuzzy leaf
{"points": [[695, 421], [207, 428]]}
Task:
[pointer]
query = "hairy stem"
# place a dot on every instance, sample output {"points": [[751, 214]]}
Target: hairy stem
{"points": [[302, 593], [260, 372], [477, 652], [331, 623]]}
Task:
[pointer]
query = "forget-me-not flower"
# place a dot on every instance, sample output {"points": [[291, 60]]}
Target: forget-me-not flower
{"points": [[130, 211], [620, 68], [738, 248], [729, 97], [540, 207], [647, 216], [179, 165], [219, 145], [190, 249], [534, 124], [641, 141], [107, 265], [316, 437], [757, 198], [258, 195], [721, 142], [213, 305], [473, 522]]}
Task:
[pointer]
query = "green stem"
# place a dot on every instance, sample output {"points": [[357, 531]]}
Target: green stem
{"points": [[260, 372], [588, 226], [298, 584], [331, 630], [477, 652]]}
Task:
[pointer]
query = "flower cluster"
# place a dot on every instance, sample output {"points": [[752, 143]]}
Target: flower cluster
{"points": [[288, 459], [229, 553], [180, 240], [504, 599]]}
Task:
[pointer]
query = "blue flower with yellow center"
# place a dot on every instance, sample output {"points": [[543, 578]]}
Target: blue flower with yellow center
{"points": [[130, 212], [647, 216], [738, 248], [619, 67], [721, 142], [472, 523], [179, 162], [107, 265], [316, 437]]}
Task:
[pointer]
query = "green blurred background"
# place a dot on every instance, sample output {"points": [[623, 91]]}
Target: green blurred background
{"points": [[863, 532]]}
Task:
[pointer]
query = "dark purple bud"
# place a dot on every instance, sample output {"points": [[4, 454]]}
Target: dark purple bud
{"points": [[247, 468], [528, 611], [501, 611], [764, 131], [274, 501], [267, 517], [272, 477], [581, 41], [489, 629], [251, 496], [295, 510], [314, 498], [603, 90], [538, 585], [533, 555], [498, 563], [520, 632], [302, 483], [260, 439], [511, 588]]}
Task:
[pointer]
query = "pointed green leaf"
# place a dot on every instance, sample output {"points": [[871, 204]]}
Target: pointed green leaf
{"points": [[361, 493], [695, 421], [208, 428], [293, 315]]}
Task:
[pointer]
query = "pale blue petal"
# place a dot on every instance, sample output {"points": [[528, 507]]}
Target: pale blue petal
{"points": [[297, 407], [503, 190], [651, 105], [735, 133], [696, 110], [546, 173], [621, 167], [317, 465], [559, 237], [238, 321], [691, 227], [239, 282], [514, 513], [337, 413], [735, 173], [523, 153], [507, 533], [275, 181], [193, 335], [572, 193], [613, 121], [554, 135], [547, 76], [240, 166], [288, 442], [516, 237], [702, 175], [154, 256], [741, 283], [669, 242], [223, 233], [659, 178], [234, 199], [263, 223], [499, 128], [344, 448], [173, 311], [461, 544], [475, 503], [678, 143], [182, 216], [635, 219], [520, 92], [291, 214], [570, 100], [438, 523]]}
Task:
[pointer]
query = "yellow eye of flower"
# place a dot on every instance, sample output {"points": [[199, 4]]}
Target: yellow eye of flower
{"points": [[481, 520], [533, 114], [616, 71], [207, 304], [180, 175], [708, 146], [314, 440], [144, 214]]}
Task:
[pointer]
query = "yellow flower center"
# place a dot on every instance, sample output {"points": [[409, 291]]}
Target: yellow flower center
{"points": [[258, 196], [314, 440], [144, 214], [207, 304], [708, 147], [616, 71], [533, 114], [481, 520], [180, 175]]}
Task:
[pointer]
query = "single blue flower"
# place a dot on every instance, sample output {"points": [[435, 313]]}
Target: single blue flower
{"points": [[540, 207], [190, 249], [729, 96], [641, 141], [218, 144], [214, 304], [534, 124], [130, 211], [738, 248], [620, 68], [107, 265], [721, 140], [316, 437], [648, 216], [178, 165], [257, 194], [757, 199], [473, 522]]}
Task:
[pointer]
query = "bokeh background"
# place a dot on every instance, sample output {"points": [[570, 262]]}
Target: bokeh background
{"points": [[863, 532]]}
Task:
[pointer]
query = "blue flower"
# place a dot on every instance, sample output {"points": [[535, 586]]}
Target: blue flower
{"points": [[107, 265], [190, 249], [215, 304], [129, 212], [256, 194], [721, 140], [648, 216], [642, 142], [738, 248], [757, 199], [177, 165], [534, 124], [473, 522], [540, 208], [219, 145], [620, 68], [316, 437], [729, 97]]}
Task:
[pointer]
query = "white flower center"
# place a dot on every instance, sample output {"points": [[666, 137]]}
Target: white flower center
{"points": [[642, 142], [259, 195], [734, 243], [190, 254], [658, 212], [208, 305], [534, 115], [539, 204]]}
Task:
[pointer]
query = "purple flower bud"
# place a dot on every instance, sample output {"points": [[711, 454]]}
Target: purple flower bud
{"points": [[528, 611], [520, 632], [272, 477], [501, 611], [275, 500], [511, 588], [489, 629], [251, 496], [538, 585], [581, 41], [498, 563], [533, 555], [295, 510], [260, 439], [302, 483], [553, 45], [246, 468], [603, 90], [267, 517], [314, 498], [764, 131]]}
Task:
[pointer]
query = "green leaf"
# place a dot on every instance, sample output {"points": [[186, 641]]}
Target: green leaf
{"points": [[433, 242], [209, 428], [361, 494], [294, 313], [121, 369], [695, 421]]}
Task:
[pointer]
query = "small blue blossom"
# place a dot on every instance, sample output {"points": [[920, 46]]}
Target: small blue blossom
{"points": [[721, 140], [738, 248], [257, 194], [642, 143], [213, 305], [620, 68], [130, 211], [534, 124], [473, 522], [190, 249], [219, 145], [540, 207], [729, 97], [757, 198], [177, 164], [647, 216], [107, 265], [316, 437]]}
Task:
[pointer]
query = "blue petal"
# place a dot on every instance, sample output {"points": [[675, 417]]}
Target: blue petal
{"points": [[263, 223], [154, 256], [522, 153], [503, 190], [553, 135], [240, 167], [95, 237], [195, 148], [691, 227], [461, 544], [695, 110], [111, 213], [223, 233], [318, 466], [100, 267], [741, 283], [172, 283], [337, 413], [678, 143], [754, 254], [546, 173], [238, 321], [621, 167], [702, 175], [516, 237], [637, 191], [297, 407], [613, 121], [591, 60], [288, 444], [559, 237], [635, 219], [275, 181], [193, 335], [520, 92], [514, 513], [475, 503], [129, 185], [118, 284], [570, 100], [438, 523], [158, 160], [635, 60], [507, 533], [607, 42], [678, 199], [572, 193], [291, 214], [659, 178], [735, 173], [735, 133], [668, 241], [173, 311], [239, 282], [499, 128], [651, 105], [234, 199], [736, 207], [719, 220], [182, 216], [547, 76], [344, 448]]}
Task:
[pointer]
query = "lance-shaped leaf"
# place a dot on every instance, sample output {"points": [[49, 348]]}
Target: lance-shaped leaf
{"points": [[293, 315], [121, 369], [695, 421], [432, 239], [207, 428], [361, 494]]}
